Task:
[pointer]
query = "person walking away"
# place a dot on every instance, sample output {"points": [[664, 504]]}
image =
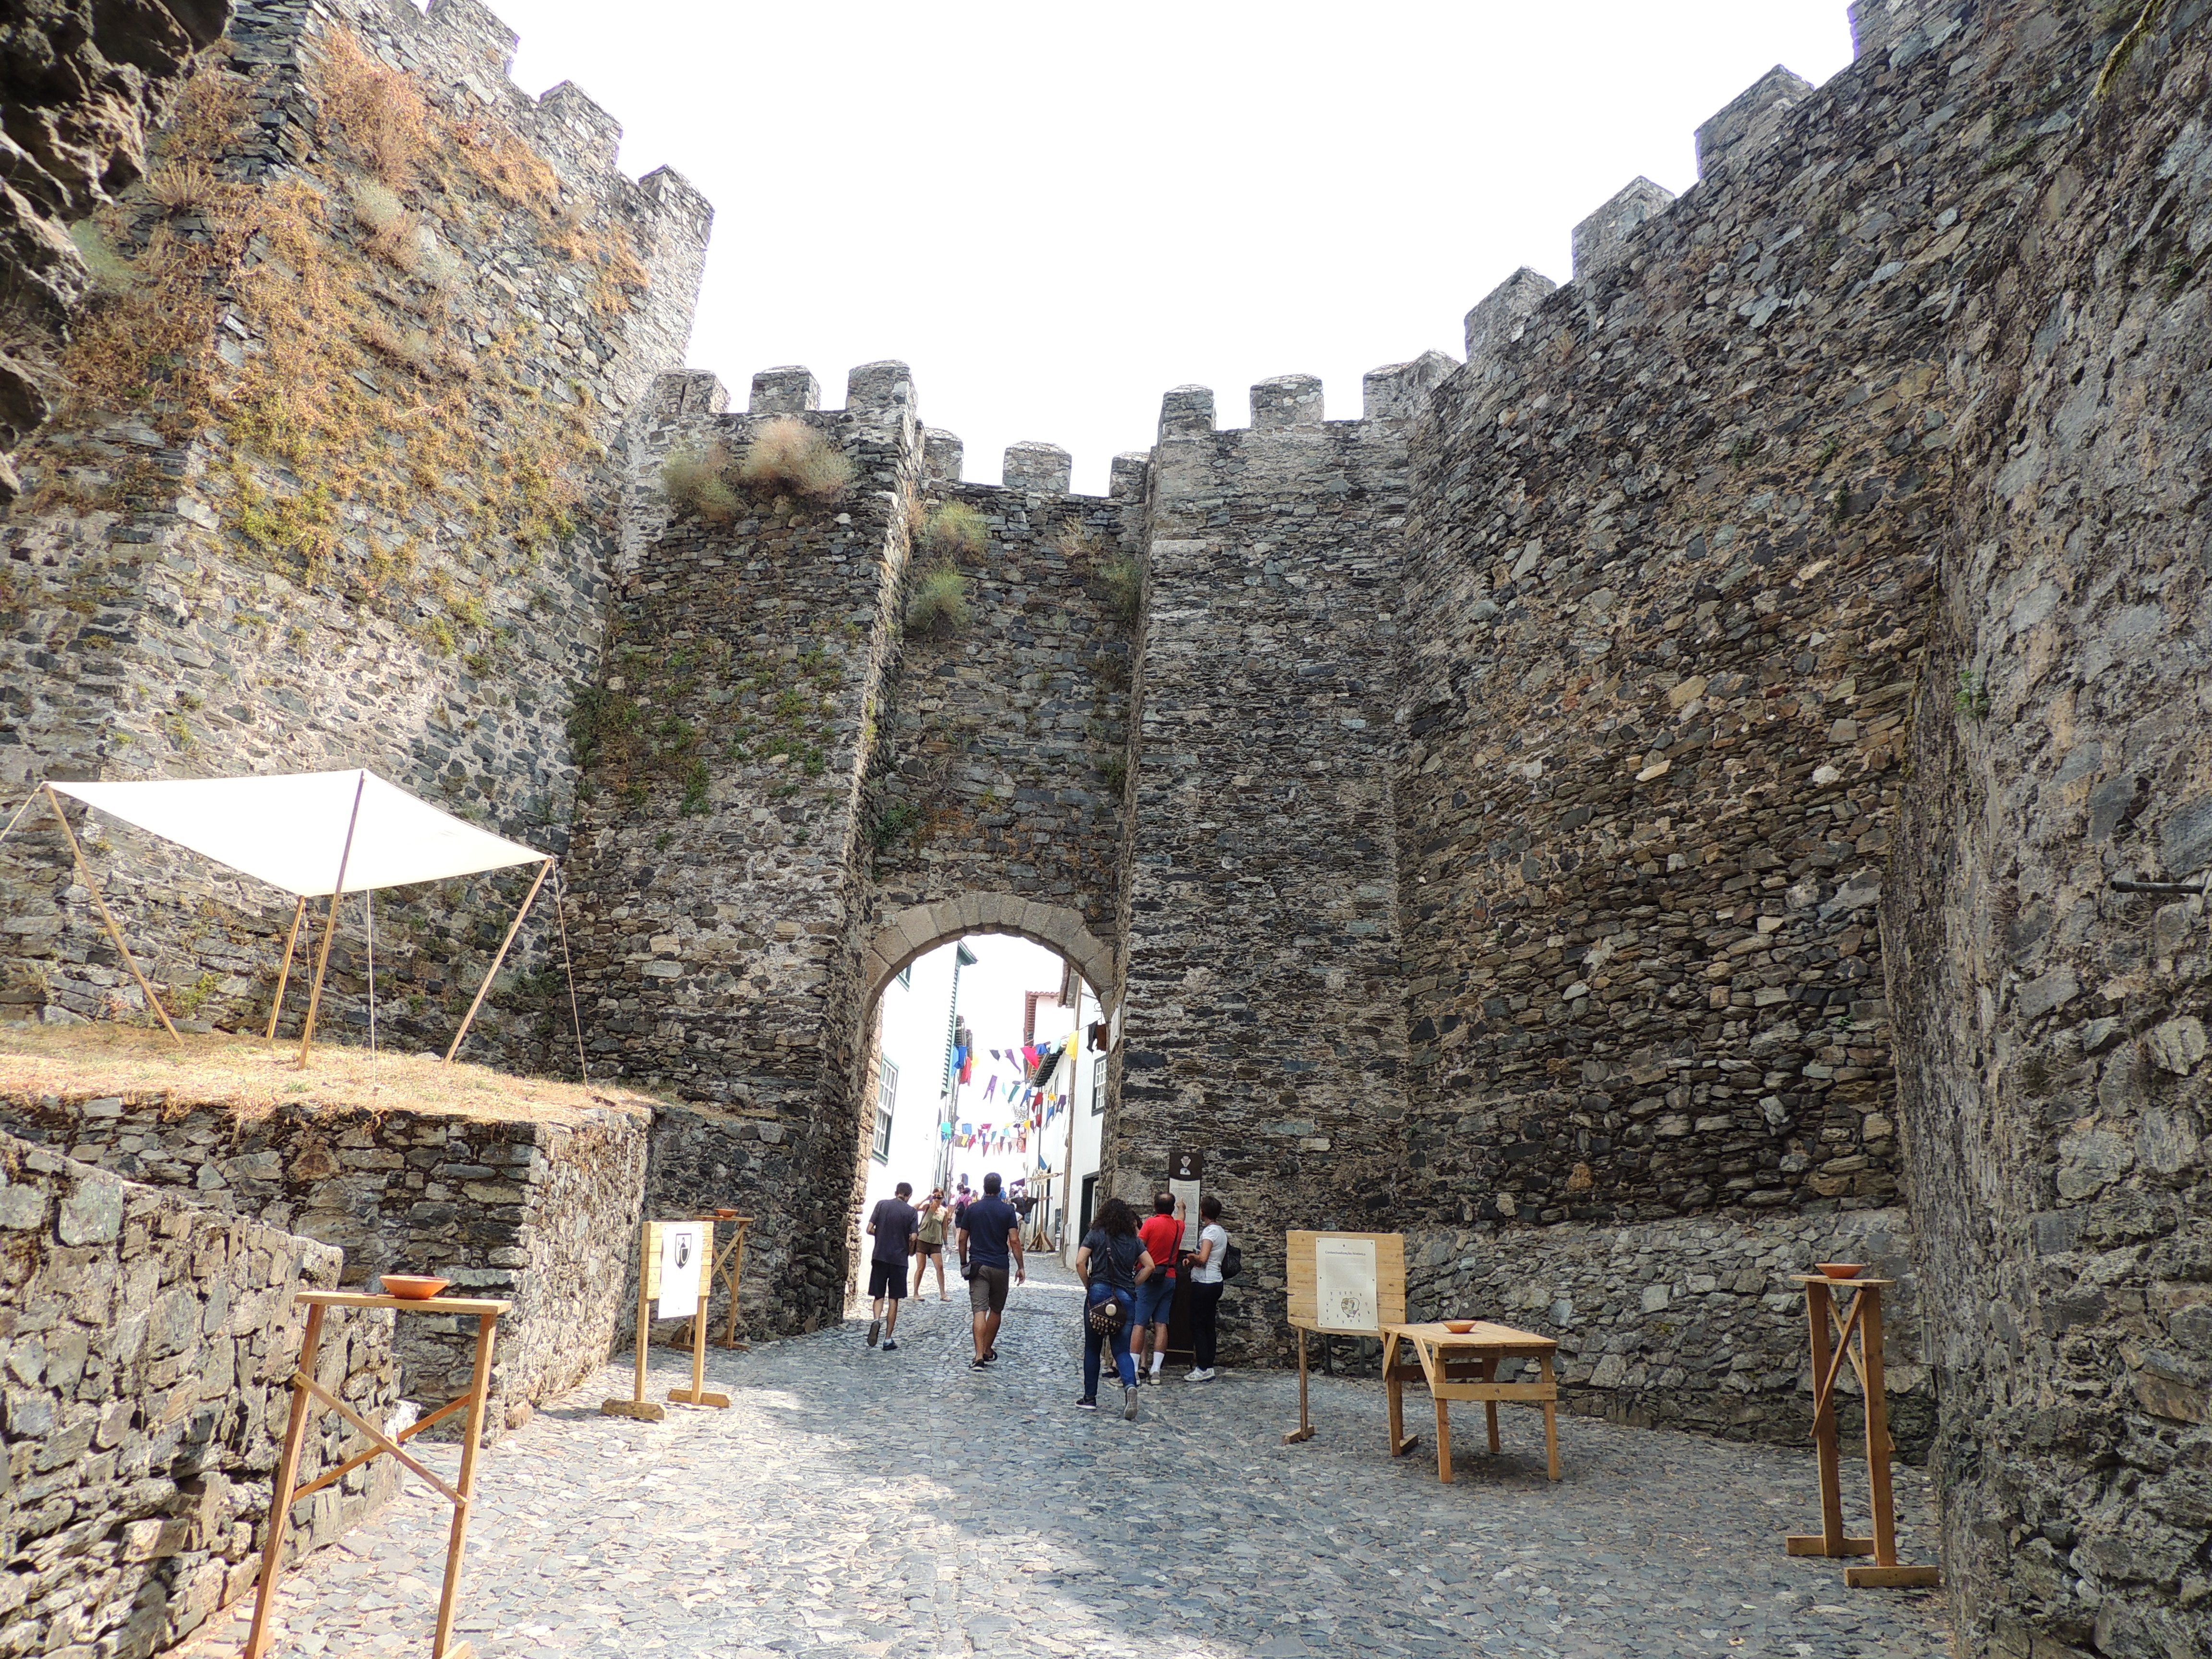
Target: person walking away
{"points": [[1206, 1288], [1161, 1234], [990, 1232], [892, 1227], [1112, 1263], [929, 1242]]}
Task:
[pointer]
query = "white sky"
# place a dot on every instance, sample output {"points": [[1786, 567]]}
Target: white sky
{"points": [[1056, 212]]}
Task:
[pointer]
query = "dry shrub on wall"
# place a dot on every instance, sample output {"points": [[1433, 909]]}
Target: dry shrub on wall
{"points": [[697, 481], [339, 273], [954, 530], [792, 457], [939, 602], [375, 111]]}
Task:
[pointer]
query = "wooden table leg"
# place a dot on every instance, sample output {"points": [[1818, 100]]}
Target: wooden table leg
{"points": [[287, 1472], [1304, 1430], [1551, 1417], [1490, 1368], [1444, 1440], [442, 1644], [1824, 1426], [1877, 1430]]}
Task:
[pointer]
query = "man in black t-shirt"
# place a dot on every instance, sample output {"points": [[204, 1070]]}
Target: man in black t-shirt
{"points": [[893, 1226], [990, 1234]]}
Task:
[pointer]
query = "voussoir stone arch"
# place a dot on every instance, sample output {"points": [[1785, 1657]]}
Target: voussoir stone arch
{"points": [[914, 931]]}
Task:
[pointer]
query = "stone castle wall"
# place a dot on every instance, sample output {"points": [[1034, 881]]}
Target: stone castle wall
{"points": [[1633, 811], [2055, 1089], [235, 579], [541, 1214], [1262, 1020], [149, 1343]]}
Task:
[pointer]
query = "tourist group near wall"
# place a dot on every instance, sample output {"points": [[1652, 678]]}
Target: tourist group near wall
{"points": [[1711, 781]]}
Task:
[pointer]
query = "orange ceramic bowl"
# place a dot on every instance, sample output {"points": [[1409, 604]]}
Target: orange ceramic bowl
{"points": [[413, 1287], [1841, 1269], [1459, 1327]]}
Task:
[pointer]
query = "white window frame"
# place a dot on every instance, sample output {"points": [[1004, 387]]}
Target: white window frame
{"points": [[1098, 1086], [886, 1104]]}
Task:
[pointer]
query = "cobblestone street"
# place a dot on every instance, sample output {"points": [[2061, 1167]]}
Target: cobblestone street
{"points": [[900, 1504]]}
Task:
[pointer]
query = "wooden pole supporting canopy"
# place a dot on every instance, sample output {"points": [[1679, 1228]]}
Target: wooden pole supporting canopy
{"points": [[107, 920], [330, 926], [492, 972], [284, 973]]}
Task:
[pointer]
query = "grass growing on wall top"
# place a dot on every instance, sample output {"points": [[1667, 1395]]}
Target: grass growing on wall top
{"points": [[384, 405], [249, 1077]]}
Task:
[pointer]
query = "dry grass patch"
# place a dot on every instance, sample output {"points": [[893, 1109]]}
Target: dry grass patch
{"points": [[250, 1079], [697, 481], [954, 531], [789, 456], [939, 604]]}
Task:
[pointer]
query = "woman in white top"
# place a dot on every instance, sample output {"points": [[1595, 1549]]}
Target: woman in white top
{"points": [[1206, 1287]]}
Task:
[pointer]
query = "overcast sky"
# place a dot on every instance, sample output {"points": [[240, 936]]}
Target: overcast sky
{"points": [[1055, 212]]}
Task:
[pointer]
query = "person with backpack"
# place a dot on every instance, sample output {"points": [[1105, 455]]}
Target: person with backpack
{"points": [[1210, 1265], [1112, 1262]]}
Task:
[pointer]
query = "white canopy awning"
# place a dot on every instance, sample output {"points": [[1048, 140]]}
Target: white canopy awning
{"points": [[290, 830]]}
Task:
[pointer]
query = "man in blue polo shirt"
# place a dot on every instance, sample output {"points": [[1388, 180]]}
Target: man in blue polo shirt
{"points": [[990, 1234]]}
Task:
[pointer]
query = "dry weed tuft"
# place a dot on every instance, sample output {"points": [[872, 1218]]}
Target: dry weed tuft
{"points": [[376, 110], [939, 604], [790, 456], [698, 480], [954, 531], [183, 187]]}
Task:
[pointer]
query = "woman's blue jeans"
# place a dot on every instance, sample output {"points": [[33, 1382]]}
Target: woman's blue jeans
{"points": [[1093, 1343]]}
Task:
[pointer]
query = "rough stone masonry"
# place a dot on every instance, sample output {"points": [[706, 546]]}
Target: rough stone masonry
{"points": [[1715, 778]]}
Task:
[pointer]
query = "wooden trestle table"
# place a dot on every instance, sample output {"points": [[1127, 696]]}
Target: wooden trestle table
{"points": [[1464, 1365]]}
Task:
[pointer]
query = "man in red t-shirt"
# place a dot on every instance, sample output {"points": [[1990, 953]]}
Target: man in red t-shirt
{"points": [[1162, 1232]]}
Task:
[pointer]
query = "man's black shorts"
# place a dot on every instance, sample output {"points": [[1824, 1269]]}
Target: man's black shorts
{"points": [[887, 1279]]}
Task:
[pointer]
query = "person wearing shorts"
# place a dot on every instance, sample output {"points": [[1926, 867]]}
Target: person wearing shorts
{"points": [[892, 1226], [990, 1240], [1162, 1233], [929, 1242]]}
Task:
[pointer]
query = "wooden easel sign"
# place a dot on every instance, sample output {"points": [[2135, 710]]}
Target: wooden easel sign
{"points": [[673, 1277], [1341, 1285]]}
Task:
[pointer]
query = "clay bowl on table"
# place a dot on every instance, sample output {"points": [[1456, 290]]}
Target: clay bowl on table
{"points": [[1459, 1327], [726, 1215], [413, 1287], [1841, 1269]]}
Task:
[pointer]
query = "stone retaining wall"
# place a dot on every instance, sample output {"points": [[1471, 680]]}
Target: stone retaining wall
{"points": [[1690, 1323], [148, 1339], [543, 1215]]}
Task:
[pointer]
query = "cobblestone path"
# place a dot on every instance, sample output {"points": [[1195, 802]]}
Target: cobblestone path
{"points": [[869, 1502]]}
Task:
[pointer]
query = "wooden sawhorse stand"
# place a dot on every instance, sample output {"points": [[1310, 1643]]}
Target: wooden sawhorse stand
{"points": [[306, 1389], [729, 1268], [648, 1287], [1863, 1318]]}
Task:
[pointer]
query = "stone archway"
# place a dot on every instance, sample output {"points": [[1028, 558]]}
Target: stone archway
{"points": [[909, 933]]}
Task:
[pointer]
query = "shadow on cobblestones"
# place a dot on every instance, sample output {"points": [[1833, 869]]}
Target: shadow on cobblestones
{"points": [[900, 1504]]}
